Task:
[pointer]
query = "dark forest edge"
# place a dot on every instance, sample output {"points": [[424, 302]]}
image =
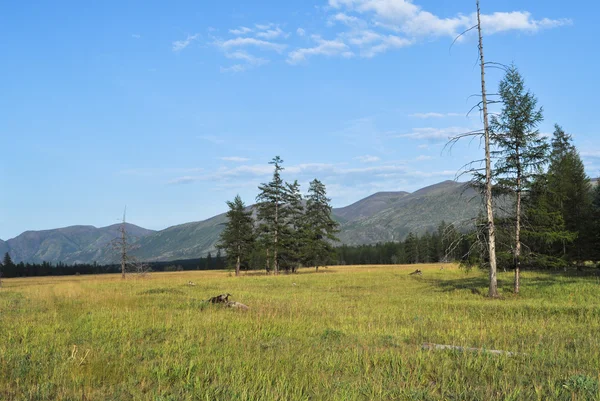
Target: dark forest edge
{"points": [[446, 245]]}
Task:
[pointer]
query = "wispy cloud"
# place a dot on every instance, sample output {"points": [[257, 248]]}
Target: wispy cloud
{"points": [[322, 47], [435, 115], [136, 36], [234, 159], [434, 133], [253, 42], [270, 34], [367, 159], [371, 27], [410, 19], [179, 45], [249, 60], [240, 31], [212, 139], [590, 153]]}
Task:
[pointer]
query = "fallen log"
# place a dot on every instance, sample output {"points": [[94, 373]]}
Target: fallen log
{"points": [[432, 346]]}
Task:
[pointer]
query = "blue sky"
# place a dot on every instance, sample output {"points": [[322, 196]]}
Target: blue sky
{"points": [[172, 108]]}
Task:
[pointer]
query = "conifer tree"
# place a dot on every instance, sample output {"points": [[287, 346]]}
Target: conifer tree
{"points": [[238, 236], [271, 213], [293, 235], [320, 228], [521, 150], [545, 230], [570, 193]]}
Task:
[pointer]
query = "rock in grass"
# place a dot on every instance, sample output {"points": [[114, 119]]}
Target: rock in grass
{"points": [[237, 305]]}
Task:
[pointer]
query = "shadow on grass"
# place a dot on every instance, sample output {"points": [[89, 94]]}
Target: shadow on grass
{"points": [[479, 285]]}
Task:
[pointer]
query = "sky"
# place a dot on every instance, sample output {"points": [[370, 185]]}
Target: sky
{"points": [[173, 108]]}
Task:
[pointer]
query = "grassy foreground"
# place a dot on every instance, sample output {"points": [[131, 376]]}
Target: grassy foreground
{"points": [[349, 333]]}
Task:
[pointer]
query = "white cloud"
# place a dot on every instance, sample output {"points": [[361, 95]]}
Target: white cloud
{"points": [[518, 21], [250, 61], [386, 43], [179, 45], [409, 18], [240, 31], [367, 159], [264, 27], [300, 32], [136, 36], [234, 159], [323, 47], [242, 42], [434, 133], [434, 115], [590, 153], [271, 34]]}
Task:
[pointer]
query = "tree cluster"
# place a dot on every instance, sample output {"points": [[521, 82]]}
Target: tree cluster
{"points": [[287, 231], [549, 210]]}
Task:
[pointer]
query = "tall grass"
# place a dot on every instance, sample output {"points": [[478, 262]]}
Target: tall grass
{"points": [[349, 333]]}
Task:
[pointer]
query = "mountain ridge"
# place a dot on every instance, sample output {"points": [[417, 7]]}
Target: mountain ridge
{"points": [[382, 216]]}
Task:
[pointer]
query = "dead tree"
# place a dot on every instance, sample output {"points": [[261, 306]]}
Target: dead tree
{"points": [[493, 290], [487, 186], [123, 246]]}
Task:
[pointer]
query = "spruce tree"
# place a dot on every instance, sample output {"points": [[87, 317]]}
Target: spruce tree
{"points": [[293, 232], [545, 230], [595, 232], [320, 228], [271, 213], [238, 236], [570, 193], [521, 150]]}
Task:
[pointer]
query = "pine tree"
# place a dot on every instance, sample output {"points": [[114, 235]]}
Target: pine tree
{"points": [[570, 193], [320, 228], [271, 213], [237, 238], [293, 234], [521, 150]]}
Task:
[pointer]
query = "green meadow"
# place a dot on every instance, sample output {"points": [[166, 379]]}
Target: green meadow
{"points": [[345, 333]]}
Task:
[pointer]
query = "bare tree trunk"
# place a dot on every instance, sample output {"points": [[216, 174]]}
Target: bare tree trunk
{"points": [[275, 261], [268, 262], [518, 227], [518, 243], [493, 290], [237, 266]]}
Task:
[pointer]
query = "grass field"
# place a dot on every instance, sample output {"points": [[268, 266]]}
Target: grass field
{"points": [[348, 333]]}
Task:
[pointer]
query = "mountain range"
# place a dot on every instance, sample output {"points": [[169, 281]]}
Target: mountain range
{"points": [[384, 216]]}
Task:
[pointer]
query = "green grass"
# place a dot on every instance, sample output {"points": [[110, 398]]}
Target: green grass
{"points": [[349, 333]]}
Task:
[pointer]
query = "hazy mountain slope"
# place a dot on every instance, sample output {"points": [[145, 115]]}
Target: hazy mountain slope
{"points": [[369, 206], [69, 244], [380, 217], [3, 249], [417, 212], [184, 241]]}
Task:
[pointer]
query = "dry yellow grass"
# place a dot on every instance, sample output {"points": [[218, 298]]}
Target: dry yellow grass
{"points": [[346, 333]]}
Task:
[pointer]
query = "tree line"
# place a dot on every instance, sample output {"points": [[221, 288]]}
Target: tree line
{"points": [[9, 269]]}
